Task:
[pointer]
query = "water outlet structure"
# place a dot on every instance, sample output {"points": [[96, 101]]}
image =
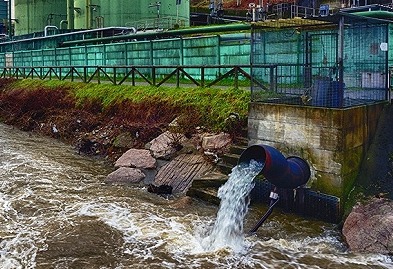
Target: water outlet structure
{"points": [[286, 173]]}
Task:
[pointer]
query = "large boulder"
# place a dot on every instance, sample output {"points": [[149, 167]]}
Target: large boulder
{"points": [[166, 144], [216, 141], [125, 175], [137, 158], [369, 227]]}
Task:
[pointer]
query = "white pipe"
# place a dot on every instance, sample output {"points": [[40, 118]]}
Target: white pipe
{"points": [[49, 27], [62, 22]]}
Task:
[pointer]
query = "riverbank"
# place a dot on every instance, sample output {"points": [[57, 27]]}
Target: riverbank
{"points": [[107, 120]]}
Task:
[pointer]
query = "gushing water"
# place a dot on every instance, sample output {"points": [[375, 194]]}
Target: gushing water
{"points": [[56, 213], [228, 228]]}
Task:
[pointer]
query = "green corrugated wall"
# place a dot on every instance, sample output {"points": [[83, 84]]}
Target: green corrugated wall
{"points": [[209, 50]]}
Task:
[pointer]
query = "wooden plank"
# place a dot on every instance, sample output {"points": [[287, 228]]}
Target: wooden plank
{"points": [[181, 171]]}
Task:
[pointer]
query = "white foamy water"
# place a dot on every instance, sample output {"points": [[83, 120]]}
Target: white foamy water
{"points": [[228, 228], [55, 212]]}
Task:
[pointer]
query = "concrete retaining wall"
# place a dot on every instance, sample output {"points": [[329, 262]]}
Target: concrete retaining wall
{"points": [[333, 141]]}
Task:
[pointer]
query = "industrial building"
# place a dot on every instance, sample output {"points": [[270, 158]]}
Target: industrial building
{"points": [[328, 67], [92, 14]]}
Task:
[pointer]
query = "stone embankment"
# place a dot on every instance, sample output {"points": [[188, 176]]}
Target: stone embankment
{"points": [[170, 162]]}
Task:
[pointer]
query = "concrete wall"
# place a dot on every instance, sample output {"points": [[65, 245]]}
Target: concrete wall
{"points": [[333, 141]]}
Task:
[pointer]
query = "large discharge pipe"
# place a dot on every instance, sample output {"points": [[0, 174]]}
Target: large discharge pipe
{"points": [[287, 173]]}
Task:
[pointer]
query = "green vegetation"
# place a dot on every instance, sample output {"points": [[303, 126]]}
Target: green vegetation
{"points": [[214, 105]]}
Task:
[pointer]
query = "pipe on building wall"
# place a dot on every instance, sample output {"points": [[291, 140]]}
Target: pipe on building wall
{"points": [[62, 22], [70, 14], [287, 173], [180, 32]]}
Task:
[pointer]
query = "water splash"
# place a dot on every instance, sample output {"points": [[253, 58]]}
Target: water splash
{"points": [[228, 228]]}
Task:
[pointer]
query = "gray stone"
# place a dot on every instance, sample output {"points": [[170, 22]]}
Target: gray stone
{"points": [[217, 141], [369, 227], [166, 144], [125, 175], [138, 158]]}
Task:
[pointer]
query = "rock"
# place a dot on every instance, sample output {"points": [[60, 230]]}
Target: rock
{"points": [[138, 158], [166, 144], [125, 175], [161, 189], [124, 140], [214, 142], [369, 227]]}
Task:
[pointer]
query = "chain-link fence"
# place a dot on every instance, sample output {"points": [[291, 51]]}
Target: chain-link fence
{"points": [[338, 63]]}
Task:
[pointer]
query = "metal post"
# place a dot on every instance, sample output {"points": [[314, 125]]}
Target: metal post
{"points": [[341, 60], [154, 75], [203, 76], [236, 78], [308, 70], [272, 79], [9, 19], [85, 74], [178, 77], [114, 75]]}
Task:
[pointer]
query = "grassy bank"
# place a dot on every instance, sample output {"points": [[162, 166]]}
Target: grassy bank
{"points": [[73, 111]]}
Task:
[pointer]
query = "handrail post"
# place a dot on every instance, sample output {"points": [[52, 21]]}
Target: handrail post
{"points": [[177, 77], [114, 75], [236, 79], [85, 74], [99, 75], [272, 78], [202, 76], [153, 74], [133, 76]]}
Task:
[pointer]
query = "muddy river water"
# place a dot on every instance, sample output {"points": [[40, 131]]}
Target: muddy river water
{"points": [[56, 212]]}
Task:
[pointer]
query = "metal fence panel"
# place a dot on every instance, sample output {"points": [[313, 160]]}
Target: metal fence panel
{"points": [[308, 67]]}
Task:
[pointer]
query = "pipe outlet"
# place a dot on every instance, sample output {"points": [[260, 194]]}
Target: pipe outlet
{"points": [[287, 173]]}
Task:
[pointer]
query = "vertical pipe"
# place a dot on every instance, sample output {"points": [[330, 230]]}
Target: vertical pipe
{"points": [[387, 64], [70, 14], [308, 72], [9, 19], [341, 60]]}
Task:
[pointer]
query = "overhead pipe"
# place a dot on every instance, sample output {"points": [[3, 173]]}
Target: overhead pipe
{"points": [[287, 173], [179, 32]]}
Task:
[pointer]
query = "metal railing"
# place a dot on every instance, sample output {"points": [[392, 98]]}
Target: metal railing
{"points": [[296, 84], [201, 75]]}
